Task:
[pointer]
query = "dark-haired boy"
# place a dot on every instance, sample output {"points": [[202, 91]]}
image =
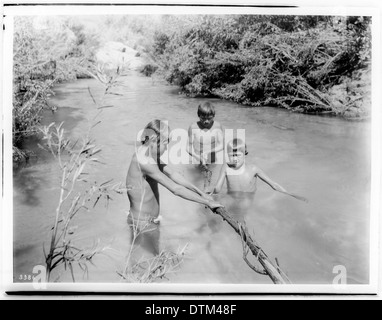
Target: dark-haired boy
{"points": [[239, 177], [206, 142]]}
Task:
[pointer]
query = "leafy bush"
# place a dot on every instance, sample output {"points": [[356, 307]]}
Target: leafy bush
{"points": [[54, 51], [285, 61], [160, 41], [148, 69]]}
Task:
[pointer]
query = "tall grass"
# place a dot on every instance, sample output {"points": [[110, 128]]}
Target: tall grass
{"points": [[148, 270], [73, 158]]}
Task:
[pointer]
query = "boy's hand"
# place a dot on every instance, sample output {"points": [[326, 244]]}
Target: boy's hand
{"points": [[204, 158], [208, 196], [214, 205]]}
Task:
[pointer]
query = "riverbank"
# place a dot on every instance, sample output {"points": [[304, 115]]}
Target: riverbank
{"points": [[315, 65]]}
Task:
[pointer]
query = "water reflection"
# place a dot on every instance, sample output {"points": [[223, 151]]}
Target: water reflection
{"points": [[28, 185]]}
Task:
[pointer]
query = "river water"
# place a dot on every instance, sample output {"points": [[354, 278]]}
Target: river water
{"points": [[325, 159]]}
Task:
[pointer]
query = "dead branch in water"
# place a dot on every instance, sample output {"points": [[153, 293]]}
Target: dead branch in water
{"points": [[274, 272]]}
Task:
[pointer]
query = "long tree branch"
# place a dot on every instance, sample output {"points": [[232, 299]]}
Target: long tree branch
{"points": [[272, 271]]}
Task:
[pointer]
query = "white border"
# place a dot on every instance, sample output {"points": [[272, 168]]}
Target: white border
{"points": [[7, 216], [37, 10], [2, 224], [187, 288], [7, 205], [376, 160], [300, 3]]}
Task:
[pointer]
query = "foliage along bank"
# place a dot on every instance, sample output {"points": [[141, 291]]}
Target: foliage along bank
{"points": [[313, 64], [45, 52]]}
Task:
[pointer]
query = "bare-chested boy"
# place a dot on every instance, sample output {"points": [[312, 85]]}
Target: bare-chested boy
{"points": [[144, 174], [242, 179], [206, 142], [239, 176]]}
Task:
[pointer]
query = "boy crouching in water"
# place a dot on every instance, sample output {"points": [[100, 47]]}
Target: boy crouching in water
{"points": [[144, 174]]}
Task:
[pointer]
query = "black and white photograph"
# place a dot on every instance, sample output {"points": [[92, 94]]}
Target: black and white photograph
{"points": [[191, 149]]}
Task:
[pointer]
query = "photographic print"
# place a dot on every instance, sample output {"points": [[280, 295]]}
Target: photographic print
{"points": [[190, 149]]}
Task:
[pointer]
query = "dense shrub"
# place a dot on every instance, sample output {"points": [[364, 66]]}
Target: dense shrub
{"points": [[148, 70], [45, 52], [287, 61]]}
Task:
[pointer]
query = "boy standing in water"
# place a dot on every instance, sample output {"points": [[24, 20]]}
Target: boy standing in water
{"points": [[242, 179], [144, 174], [239, 177], [206, 142]]}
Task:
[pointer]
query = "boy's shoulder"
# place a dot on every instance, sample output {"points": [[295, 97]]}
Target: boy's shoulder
{"points": [[252, 168], [217, 124], [194, 125], [142, 159]]}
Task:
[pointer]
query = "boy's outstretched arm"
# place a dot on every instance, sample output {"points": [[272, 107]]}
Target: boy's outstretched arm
{"points": [[154, 173], [274, 185], [181, 180]]}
